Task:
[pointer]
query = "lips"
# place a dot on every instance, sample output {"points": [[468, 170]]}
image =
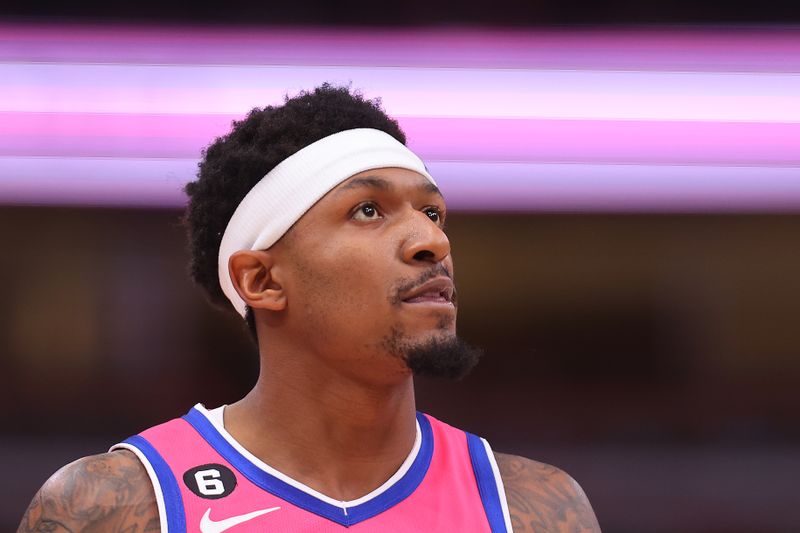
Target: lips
{"points": [[438, 290]]}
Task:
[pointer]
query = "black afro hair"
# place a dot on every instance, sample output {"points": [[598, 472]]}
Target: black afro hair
{"points": [[234, 163]]}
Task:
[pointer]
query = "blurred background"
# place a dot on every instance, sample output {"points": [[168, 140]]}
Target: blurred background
{"points": [[624, 186]]}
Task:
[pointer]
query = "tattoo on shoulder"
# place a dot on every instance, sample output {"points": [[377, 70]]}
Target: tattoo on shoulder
{"points": [[542, 498], [110, 492]]}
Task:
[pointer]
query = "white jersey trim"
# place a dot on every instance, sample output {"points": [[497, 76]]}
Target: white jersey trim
{"points": [[216, 415], [501, 491], [216, 418], [162, 511]]}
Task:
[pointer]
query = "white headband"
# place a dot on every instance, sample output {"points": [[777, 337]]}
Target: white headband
{"points": [[290, 189]]}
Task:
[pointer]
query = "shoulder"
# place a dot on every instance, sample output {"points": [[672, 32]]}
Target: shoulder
{"points": [[106, 492], [543, 498]]}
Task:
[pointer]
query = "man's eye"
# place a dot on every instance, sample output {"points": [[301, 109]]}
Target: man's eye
{"points": [[434, 214], [368, 211]]}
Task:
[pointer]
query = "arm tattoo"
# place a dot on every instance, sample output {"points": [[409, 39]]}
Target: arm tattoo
{"points": [[109, 493], [542, 498]]}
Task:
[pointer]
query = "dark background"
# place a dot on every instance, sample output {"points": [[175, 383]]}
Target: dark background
{"points": [[653, 357], [519, 13]]}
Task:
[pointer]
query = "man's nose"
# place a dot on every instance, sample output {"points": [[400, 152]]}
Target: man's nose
{"points": [[426, 241]]}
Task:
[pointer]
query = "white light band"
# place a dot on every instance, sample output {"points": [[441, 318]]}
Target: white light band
{"points": [[276, 202]]}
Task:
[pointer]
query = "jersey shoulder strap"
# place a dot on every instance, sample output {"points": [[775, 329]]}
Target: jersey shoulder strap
{"points": [[167, 490], [480, 459]]}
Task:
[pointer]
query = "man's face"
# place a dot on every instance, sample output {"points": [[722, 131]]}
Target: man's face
{"points": [[368, 274]]}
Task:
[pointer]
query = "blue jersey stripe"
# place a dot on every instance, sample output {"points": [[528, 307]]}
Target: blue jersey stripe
{"points": [[390, 497], [487, 484], [173, 502]]}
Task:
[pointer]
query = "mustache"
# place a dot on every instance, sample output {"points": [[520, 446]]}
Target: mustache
{"points": [[405, 285]]}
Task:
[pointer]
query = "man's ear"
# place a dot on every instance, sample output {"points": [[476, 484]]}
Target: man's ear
{"points": [[253, 276]]}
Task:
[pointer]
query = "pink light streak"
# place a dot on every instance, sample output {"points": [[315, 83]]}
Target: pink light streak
{"points": [[601, 141]]}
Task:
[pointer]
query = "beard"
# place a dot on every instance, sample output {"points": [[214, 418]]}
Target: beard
{"points": [[451, 358], [448, 357]]}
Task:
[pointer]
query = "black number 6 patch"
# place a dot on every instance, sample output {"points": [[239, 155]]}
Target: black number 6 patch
{"points": [[211, 481]]}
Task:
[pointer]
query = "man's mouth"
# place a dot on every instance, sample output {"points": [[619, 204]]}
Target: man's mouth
{"points": [[439, 290]]}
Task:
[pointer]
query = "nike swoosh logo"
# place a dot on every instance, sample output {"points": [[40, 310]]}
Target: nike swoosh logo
{"points": [[218, 526]]}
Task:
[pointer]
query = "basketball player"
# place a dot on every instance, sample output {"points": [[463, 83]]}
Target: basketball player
{"points": [[315, 223]]}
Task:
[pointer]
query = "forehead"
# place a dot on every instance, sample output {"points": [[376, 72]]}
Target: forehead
{"points": [[393, 180]]}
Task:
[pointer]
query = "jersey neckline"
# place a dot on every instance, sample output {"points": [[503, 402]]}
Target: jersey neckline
{"points": [[398, 487]]}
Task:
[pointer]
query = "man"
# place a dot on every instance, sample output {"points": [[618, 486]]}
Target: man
{"points": [[315, 223]]}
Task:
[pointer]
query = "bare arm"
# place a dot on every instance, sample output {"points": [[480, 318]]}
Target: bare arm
{"points": [[542, 498], [110, 492]]}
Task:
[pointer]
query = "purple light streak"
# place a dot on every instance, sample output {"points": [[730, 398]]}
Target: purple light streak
{"points": [[468, 186], [751, 50]]}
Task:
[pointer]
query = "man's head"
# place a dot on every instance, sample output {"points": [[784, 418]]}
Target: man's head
{"points": [[364, 273]]}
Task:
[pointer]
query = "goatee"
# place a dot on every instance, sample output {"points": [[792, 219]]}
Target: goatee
{"points": [[443, 357]]}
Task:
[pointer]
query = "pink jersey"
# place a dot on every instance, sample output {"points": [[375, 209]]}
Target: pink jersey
{"points": [[206, 481]]}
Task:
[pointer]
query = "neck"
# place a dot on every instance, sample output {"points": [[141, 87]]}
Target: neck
{"points": [[339, 435]]}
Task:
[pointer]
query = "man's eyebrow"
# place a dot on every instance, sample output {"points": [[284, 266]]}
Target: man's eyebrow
{"points": [[374, 182], [431, 188], [370, 182]]}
